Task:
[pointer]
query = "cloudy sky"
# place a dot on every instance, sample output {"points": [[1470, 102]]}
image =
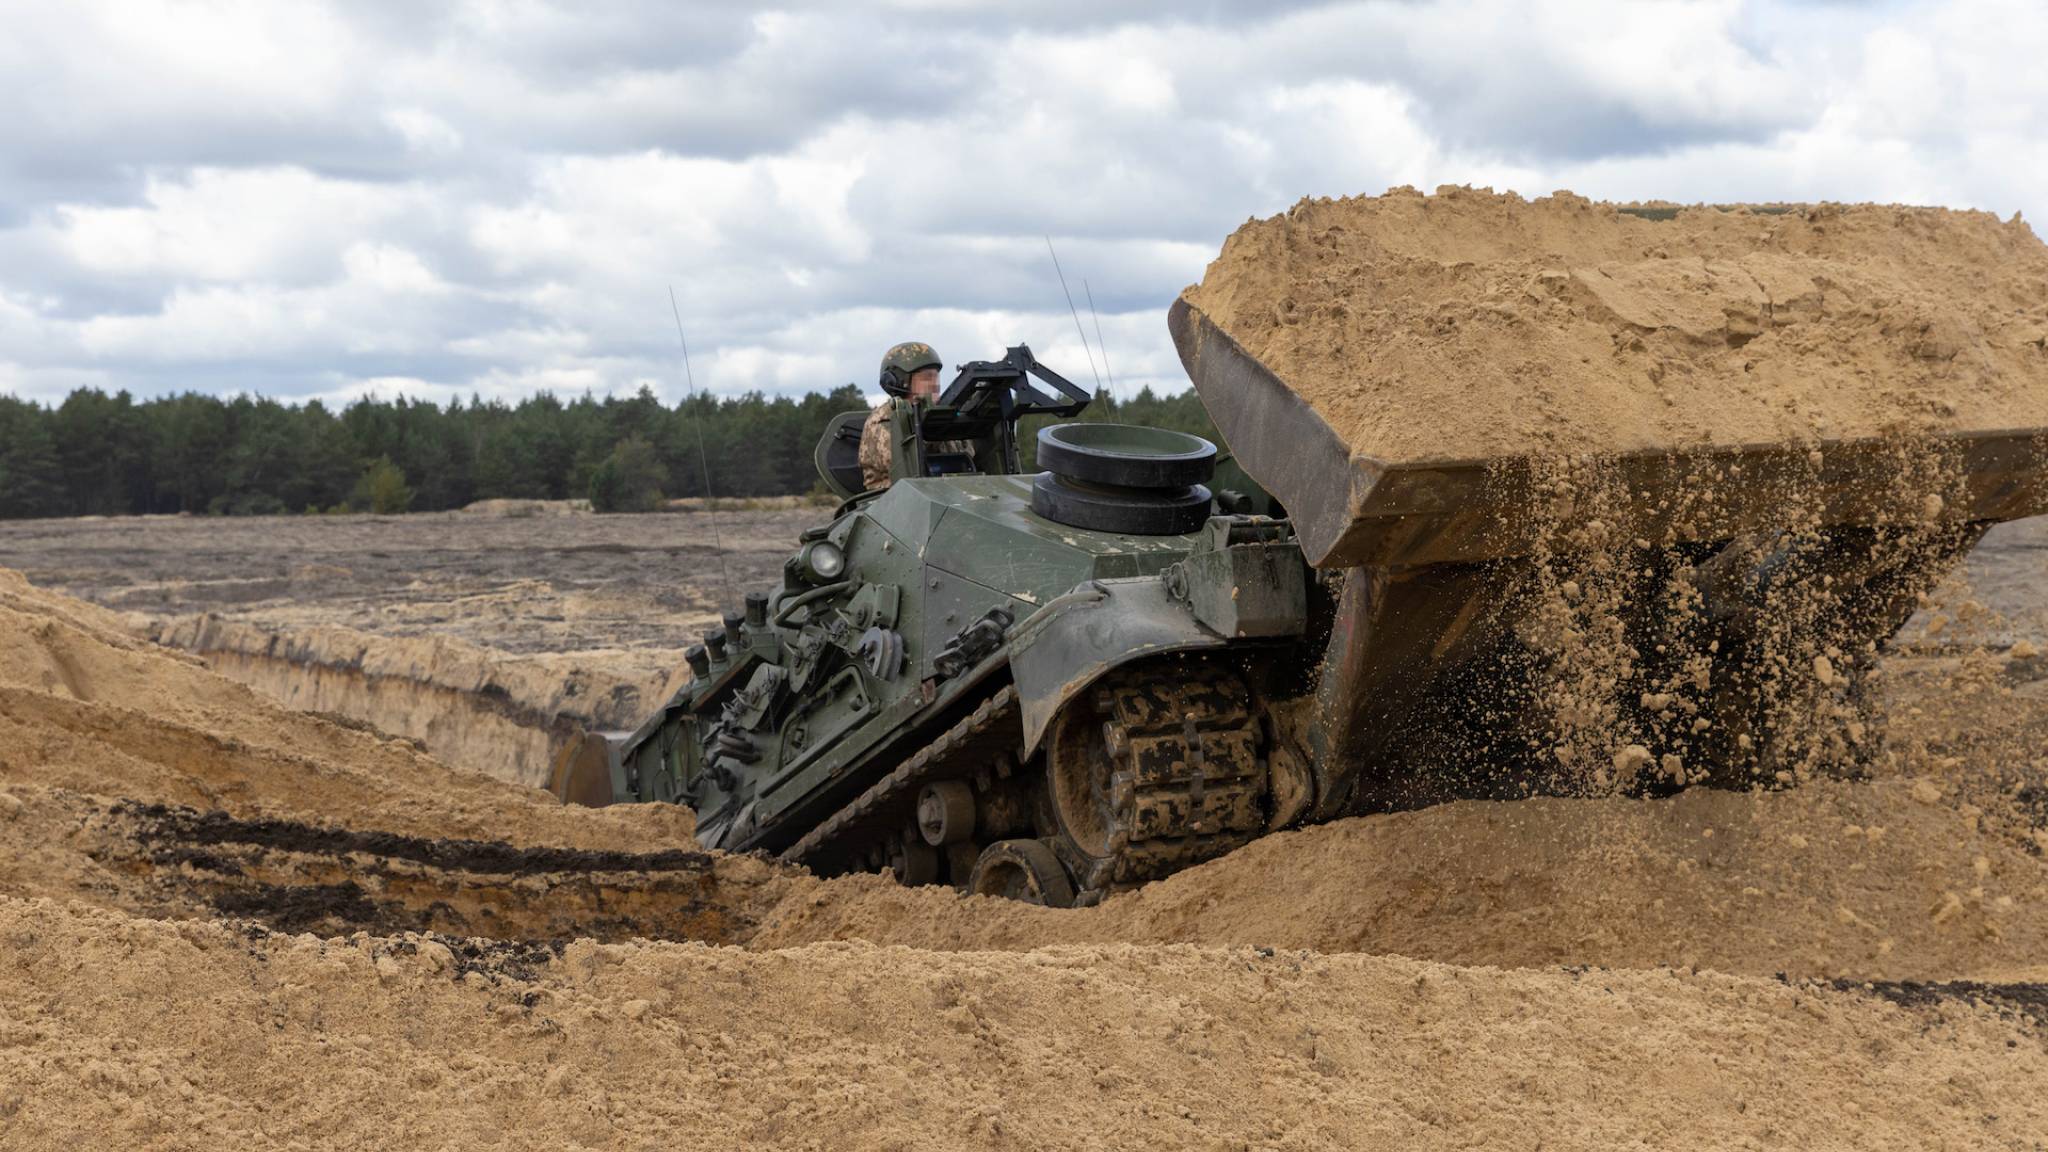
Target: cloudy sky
{"points": [[306, 199]]}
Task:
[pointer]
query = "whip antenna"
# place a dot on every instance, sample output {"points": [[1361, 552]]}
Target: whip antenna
{"points": [[1099, 343], [703, 457], [1078, 330]]}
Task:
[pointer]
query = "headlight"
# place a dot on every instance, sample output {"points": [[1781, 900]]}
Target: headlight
{"points": [[822, 561]]}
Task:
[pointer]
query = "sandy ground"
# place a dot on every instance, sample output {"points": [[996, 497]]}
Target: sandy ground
{"points": [[223, 922], [265, 1041], [528, 579]]}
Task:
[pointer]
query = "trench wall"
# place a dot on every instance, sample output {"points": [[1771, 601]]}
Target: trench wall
{"points": [[500, 714]]}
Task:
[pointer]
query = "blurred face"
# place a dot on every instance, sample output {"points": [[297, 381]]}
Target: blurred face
{"points": [[924, 384]]}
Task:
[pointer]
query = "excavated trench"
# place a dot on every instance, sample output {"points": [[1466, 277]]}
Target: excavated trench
{"points": [[505, 716], [489, 635]]}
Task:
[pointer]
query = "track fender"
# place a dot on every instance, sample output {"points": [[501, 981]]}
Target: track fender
{"points": [[1102, 624]]}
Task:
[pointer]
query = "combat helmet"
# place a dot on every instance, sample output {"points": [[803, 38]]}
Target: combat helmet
{"points": [[903, 361]]}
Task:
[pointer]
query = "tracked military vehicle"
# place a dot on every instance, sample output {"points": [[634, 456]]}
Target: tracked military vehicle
{"points": [[1023, 684], [1052, 686]]}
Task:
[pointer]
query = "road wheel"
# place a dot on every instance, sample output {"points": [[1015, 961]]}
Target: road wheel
{"points": [[1023, 870], [1081, 777], [945, 812], [913, 861], [961, 858]]}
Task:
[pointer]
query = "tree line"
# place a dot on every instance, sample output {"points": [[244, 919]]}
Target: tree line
{"points": [[100, 455]]}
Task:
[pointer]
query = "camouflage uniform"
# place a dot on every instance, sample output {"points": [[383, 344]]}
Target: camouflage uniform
{"points": [[874, 446], [898, 365], [875, 441]]}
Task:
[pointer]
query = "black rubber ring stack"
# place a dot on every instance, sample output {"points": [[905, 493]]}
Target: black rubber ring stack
{"points": [[1117, 478]]}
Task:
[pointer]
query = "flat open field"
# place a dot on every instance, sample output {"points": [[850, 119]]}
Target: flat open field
{"points": [[525, 579]]}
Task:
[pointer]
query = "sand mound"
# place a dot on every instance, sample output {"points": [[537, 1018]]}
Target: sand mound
{"points": [[226, 922], [1470, 325], [375, 1043], [1895, 880]]}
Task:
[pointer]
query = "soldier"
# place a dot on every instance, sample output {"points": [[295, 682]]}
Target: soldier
{"points": [[912, 370]]}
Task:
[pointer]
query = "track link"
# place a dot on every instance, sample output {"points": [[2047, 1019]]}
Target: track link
{"points": [[1166, 768], [1185, 780]]}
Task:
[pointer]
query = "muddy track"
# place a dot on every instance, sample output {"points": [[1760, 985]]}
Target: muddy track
{"points": [[175, 824], [2025, 1002], [293, 877]]}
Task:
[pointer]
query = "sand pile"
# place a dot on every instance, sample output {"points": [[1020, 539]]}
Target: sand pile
{"points": [[1469, 325], [223, 921], [1895, 880], [266, 1041]]}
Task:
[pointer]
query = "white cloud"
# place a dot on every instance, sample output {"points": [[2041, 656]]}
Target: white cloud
{"points": [[423, 131], [264, 225], [525, 345], [1673, 61], [49, 385], [156, 60], [385, 302], [390, 270], [497, 197]]}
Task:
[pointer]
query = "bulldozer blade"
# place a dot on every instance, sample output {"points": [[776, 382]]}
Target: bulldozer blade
{"points": [[1350, 509]]}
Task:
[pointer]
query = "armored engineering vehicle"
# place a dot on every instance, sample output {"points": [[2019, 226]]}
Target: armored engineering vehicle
{"points": [[1054, 686]]}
